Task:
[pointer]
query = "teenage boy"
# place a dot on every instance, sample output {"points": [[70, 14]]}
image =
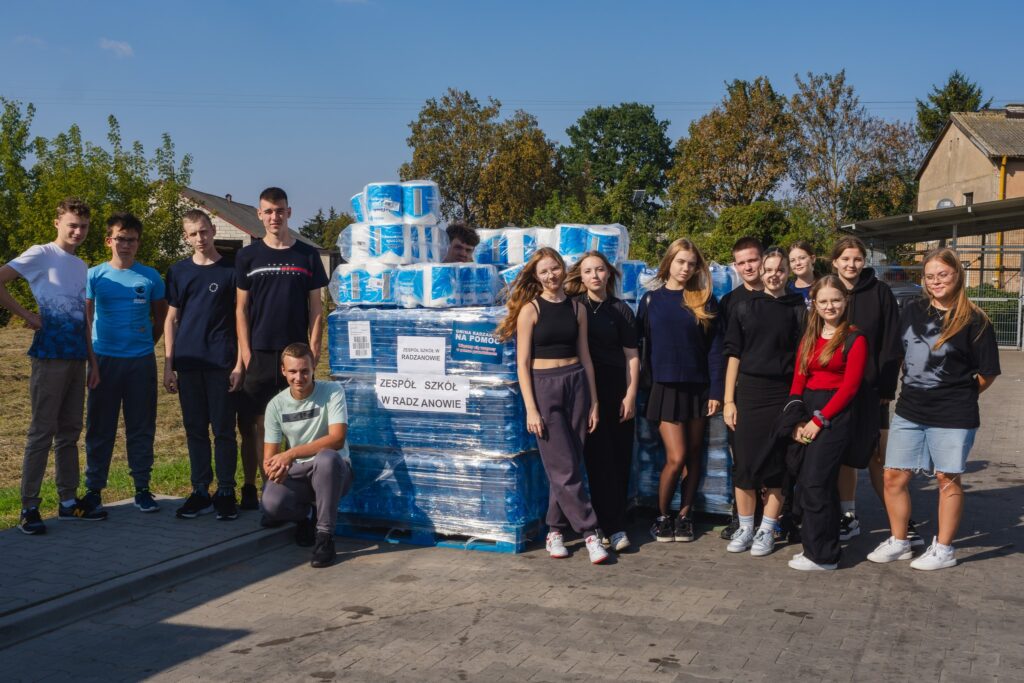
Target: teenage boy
{"points": [[202, 365], [278, 303], [462, 240], [62, 363], [125, 307], [746, 259], [306, 481]]}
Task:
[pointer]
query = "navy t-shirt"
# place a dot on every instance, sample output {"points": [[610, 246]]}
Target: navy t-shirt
{"points": [[205, 299], [279, 282]]}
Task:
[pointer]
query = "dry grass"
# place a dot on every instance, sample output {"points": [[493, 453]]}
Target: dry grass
{"points": [[170, 467]]}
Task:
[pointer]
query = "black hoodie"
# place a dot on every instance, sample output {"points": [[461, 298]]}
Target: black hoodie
{"points": [[764, 333], [873, 310]]}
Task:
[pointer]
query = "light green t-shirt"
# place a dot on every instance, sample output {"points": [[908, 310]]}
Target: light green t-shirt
{"points": [[303, 421]]}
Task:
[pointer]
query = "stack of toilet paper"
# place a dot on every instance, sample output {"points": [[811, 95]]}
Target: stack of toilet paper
{"points": [[427, 285], [573, 240], [513, 246], [397, 224]]}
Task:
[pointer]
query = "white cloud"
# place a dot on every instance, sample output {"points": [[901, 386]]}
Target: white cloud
{"points": [[120, 48], [33, 41]]}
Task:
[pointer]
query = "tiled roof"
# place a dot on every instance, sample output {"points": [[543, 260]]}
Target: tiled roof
{"points": [[995, 133]]}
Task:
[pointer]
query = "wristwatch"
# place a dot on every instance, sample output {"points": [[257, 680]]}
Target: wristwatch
{"points": [[821, 418]]}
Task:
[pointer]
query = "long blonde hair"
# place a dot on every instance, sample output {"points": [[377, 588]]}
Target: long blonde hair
{"points": [[525, 288], [697, 290], [574, 280], [815, 324], [959, 315]]}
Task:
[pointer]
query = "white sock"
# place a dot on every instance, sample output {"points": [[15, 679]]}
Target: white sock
{"points": [[848, 506], [905, 541], [746, 521], [68, 503], [943, 548], [769, 523]]}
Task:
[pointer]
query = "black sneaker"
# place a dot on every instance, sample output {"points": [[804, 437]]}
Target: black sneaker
{"points": [[915, 538], [145, 501], [732, 527], [305, 533], [787, 531], [250, 501], [323, 550], [31, 523], [683, 531], [225, 505], [92, 500], [849, 526], [661, 530], [195, 505], [81, 510]]}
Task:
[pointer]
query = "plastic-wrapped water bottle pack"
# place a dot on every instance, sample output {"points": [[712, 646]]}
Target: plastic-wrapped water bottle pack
{"points": [[365, 340], [715, 495], [494, 499]]}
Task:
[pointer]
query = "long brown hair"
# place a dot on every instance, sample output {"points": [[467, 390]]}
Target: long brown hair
{"points": [[959, 315], [847, 242], [574, 280], [815, 324], [697, 290], [525, 288]]}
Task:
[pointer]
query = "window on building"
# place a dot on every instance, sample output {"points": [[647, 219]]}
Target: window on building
{"points": [[968, 198]]}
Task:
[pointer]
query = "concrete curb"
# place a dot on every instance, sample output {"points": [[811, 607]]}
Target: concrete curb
{"points": [[69, 608]]}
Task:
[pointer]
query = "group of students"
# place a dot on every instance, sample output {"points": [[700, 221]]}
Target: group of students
{"points": [[242, 338], [803, 371]]}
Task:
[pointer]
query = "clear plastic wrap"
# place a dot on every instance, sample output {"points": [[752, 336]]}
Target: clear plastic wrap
{"points": [[358, 207], [723, 279], [630, 283], [421, 201], [611, 240], [507, 246], [384, 243], [359, 285], [383, 202], [429, 243], [494, 424], [385, 325], [447, 494], [715, 495]]}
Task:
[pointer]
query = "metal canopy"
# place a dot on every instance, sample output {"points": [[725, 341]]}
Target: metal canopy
{"points": [[940, 224]]}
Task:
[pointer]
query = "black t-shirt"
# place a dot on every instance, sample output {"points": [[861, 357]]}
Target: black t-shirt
{"points": [[279, 282], [732, 298], [940, 388], [611, 327], [205, 299], [764, 333]]}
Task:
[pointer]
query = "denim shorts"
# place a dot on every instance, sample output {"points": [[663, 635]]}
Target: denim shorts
{"points": [[918, 447]]}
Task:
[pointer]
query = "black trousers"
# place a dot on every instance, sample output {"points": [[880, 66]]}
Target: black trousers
{"points": [[608, 452], [817, 482]]}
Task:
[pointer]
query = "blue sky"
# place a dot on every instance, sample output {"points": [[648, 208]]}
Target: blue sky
{"points": [[316, 95]]}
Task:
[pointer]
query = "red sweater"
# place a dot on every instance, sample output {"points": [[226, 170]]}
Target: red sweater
{"points": [[842, 375]]}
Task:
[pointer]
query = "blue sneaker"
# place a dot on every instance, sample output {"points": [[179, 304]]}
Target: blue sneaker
{"points": [[145, 502], [81, 510]]}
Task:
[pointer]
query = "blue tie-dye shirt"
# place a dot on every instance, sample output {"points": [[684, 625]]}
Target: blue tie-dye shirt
{"points": [[57, 280]]}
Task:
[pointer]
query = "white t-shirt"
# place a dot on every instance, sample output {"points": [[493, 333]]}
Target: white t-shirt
{"points": [[57, 280], [301, 422]]}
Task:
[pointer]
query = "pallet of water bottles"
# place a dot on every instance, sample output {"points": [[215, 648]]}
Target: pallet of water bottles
{"points": [[453, 500]]}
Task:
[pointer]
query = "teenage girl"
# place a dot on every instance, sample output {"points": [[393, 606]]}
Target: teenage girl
{"points": [[761, 339], [557, 381], [829, 368], [679, 322], [801, 262], [611, 332], [951, 357], [874, 312]]}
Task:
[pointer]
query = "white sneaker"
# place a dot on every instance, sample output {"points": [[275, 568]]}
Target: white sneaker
{"points": [[555, 545], [619, 541], [806, 564], [741, 540], [934, 558], [764, 543], [597, 552], [890, 550]]}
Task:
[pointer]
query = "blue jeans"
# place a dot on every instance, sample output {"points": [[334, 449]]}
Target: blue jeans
{"points": [[206, 403], [131, 383], [917, 447]]}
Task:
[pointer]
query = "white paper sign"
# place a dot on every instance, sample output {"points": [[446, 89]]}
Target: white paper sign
{"points": [[426, 393], [421, 355], [359, 339]]}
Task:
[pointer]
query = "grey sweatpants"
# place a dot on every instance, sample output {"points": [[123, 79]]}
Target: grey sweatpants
{"points": [[321, 481], [563, 399], [57, 392]]}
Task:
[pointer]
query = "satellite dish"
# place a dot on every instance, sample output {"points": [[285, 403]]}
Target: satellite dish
{"points": [[945, 204]]}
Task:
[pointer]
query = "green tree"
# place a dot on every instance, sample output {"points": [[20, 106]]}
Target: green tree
{"points": [[958, 94], [737, 153], [521, 175], [452, 140], [769, 221], [15, 146], [625, 143], [324, 230], [888, 185]]}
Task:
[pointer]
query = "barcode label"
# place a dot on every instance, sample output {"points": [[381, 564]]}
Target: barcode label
{"points": [[359, 339]]}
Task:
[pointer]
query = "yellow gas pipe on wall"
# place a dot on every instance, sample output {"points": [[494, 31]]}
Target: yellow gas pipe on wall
{"points": [[1002, 195]]}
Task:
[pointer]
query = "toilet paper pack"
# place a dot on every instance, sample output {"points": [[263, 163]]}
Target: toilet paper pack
{"points": [[383, 202], [366, 284], [421, 202]]}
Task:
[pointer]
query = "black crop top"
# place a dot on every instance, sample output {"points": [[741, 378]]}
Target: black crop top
{"points": [[554, 335]]}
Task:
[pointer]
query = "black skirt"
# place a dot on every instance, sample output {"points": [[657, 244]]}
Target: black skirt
{"points": [[677, 401], [759, 400]]}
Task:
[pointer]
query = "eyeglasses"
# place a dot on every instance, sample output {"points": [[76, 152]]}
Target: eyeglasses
{"points": [[939, 277]]}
